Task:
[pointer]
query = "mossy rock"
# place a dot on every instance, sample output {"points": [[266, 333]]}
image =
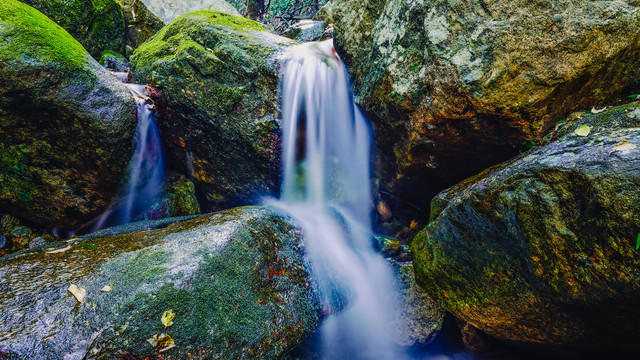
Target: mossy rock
{"points": [[218, 75], [542, 250], [66, 123], [235, 281], [97, 24]]}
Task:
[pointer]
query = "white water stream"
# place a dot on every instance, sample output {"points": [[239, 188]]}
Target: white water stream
{"points": [[145, 174], [326, 187]]}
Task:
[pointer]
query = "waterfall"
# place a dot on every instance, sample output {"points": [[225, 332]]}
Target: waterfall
{"points": [[326, 187], [145, 175]]}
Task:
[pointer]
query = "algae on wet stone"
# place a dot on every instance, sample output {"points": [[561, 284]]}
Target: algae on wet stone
{"points": [[215, 272], [218, 75]]}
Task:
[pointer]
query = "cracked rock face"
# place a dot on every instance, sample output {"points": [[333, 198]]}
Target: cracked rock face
{"points": [[455, 86]]}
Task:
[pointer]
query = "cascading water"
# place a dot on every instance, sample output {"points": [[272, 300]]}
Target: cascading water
{"points": [[326, 187], [146, 171]]}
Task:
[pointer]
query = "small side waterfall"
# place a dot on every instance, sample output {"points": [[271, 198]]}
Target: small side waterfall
{"points": [[326, 187], [145, 175]]}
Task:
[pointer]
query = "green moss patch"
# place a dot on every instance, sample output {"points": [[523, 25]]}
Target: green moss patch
{"points": [[33, 38]]}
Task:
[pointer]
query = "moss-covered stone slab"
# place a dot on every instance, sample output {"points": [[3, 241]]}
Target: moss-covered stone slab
{"points": [[97, 24], [218, 110], [235, 281], [543, 250], [455, 86], [66, 124]]}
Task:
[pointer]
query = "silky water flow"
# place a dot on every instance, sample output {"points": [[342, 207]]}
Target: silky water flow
{"points": [[326, 188]]}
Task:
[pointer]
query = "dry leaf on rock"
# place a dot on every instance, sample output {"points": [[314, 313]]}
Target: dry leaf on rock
{"points": [[162, 342], [583, 130], [58, 250], [106, 288], [167, 318], [596, 111], [78, 293], [624, 147]]}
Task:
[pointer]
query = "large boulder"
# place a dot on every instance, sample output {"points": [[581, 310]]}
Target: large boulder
{"points": [[543, 250], [66, 124], [97, 24], [218, 75], [169, 10], [234, 280], [455, 86]]}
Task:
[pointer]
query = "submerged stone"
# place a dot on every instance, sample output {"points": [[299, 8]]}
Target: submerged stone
{"points": [[235, 281], [543, 250], [97, 24], [218, 111], [66, 123]]}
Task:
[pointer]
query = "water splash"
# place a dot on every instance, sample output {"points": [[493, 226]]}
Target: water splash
{"points": [[146, 172], [326, 187]]}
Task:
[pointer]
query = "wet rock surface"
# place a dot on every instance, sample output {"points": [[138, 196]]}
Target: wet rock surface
{"points": [[218, 110], [543, 250], [141, 23], [97, 24], [235, 281], [169, 10], [309, 30], [455, 86], [419, 319], [66, 123]]}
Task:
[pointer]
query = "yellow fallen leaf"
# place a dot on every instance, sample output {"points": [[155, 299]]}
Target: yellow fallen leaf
{"points": [[106, 288], [583, 130], [162, 342], [596, 111], [624, 146], [58, 250], [78, 293], [167, 318]]}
